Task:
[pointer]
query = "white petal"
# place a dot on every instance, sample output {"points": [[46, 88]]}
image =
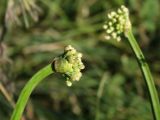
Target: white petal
{"points": [[105, 26], [107, 37], [118, 39], [69, 83]]}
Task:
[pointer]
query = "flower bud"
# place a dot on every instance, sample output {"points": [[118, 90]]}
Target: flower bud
{"points": [[69, 64], [118, 22]]}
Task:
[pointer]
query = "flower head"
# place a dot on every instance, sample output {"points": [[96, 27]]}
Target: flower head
{"points": [[118, 22], [69, 64]]}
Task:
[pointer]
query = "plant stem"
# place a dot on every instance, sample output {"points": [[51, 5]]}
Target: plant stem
{"points": [[99, 94], [27, 90], [4, 28], [97, 109], [147, 75]]}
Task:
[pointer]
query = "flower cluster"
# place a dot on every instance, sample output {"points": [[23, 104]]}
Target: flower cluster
{"points": [[69, 64], [117, 23]]}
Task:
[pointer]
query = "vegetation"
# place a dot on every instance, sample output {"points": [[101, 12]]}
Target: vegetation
{"points": [[33, 32]]}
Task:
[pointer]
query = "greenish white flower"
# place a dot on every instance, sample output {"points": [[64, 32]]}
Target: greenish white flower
{"points": [[117, 23], [69, 64]]}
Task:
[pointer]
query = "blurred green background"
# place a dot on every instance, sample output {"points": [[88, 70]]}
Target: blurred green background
{"points": [[33, 32]]}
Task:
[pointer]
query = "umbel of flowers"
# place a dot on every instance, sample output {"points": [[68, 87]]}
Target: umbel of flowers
{"points": [[117, 23], [69, 64]]}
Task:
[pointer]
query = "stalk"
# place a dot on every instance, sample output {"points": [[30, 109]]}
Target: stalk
{"points": [[27, 90], [99, 95], [146, 73]]}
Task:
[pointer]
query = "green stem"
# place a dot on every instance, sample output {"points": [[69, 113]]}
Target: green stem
{"points": [[27, 90], [97, 109], [99, 95], [147, 74]]}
